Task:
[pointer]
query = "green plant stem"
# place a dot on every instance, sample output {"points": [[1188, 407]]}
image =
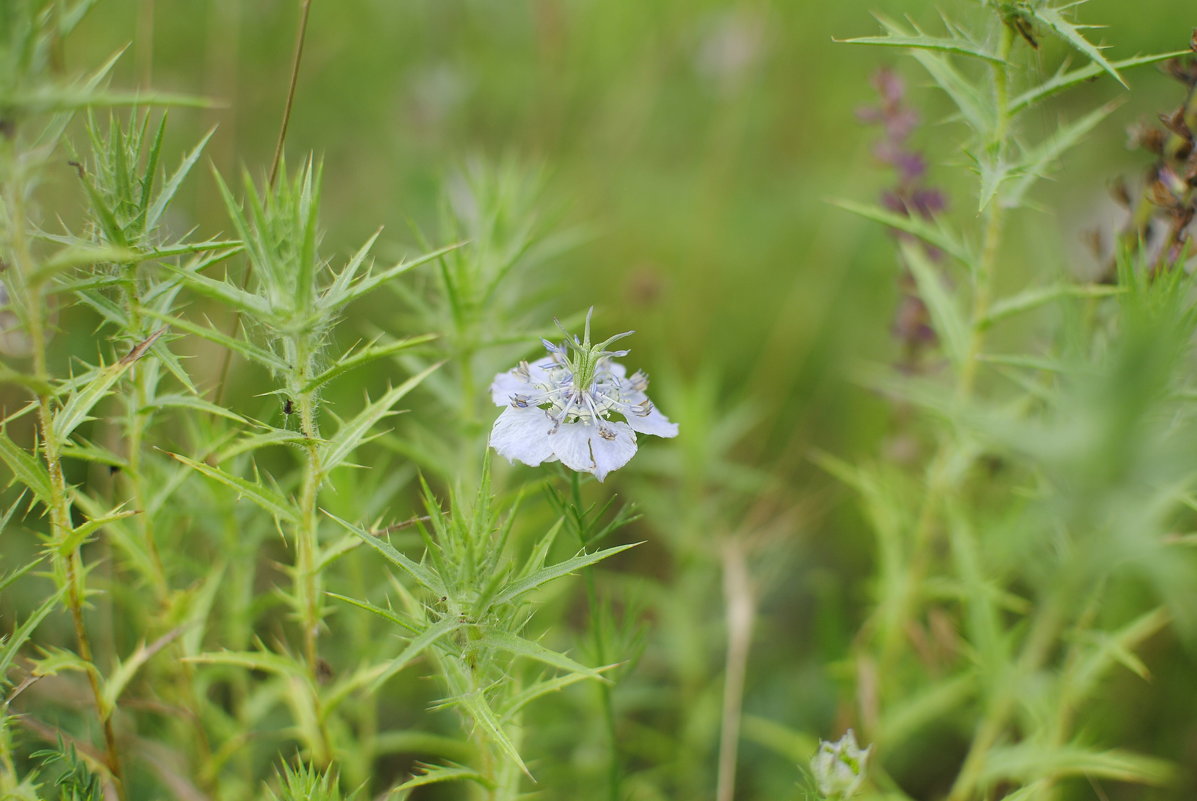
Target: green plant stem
{"points": [[614, 772], [307, 544], [70, 564], [1043, 634], [940, 477], [135, 428], [983, 275]]}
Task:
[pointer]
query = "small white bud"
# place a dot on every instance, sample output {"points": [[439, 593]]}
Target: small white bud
{"points": [[839, 767]]}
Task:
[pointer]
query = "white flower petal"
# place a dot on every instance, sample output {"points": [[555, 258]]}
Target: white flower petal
{"points": [[585, 448], [614, 450], [652, 423], [571, 443], [507, 384], [513, 382], [523, 434]]}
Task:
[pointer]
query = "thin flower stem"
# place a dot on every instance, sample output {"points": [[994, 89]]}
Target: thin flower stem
{"points": [[614, 770]]}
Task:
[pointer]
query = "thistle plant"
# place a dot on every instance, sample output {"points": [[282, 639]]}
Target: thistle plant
{"points": [[471, 614], [946, 551]]}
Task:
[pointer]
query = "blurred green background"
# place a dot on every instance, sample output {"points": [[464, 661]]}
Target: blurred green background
{"points": [[696, 144]]}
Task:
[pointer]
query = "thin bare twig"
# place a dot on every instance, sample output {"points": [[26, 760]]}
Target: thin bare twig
{"points": [[741, 610]]}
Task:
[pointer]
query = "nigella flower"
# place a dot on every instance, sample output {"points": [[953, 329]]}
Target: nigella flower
{"points": [[567, 407]]}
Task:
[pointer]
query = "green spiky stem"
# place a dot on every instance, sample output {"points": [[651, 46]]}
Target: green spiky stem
{"points": [[69, 565], [939, 478], [307, 545], [135, 431]]}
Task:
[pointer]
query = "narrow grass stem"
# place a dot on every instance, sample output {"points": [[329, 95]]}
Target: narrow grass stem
{"points": [[737, 595], [300, 36]]}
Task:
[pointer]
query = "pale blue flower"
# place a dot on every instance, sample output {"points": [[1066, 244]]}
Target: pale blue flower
{"points": [[567, 407]]}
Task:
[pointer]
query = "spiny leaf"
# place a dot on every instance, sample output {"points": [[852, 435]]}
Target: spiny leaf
{"points": [[1035, 297], [370, 281], [1038, 161], [519, 646], [227, 293], [1116, 648], [254, 660], [80, 256], [921, 41], [80, 533], [132, 546], [272, 436], [10, 646], [541, 688], [994, 171], [385, 614], [416, 646], [244, 348], [83, 400], [350, 435], [425, 577], [528, 583], [20, 571], [931, 233], [365, 356], [473, 700], [946, 317], [1066, 80], [154, 212], [115, 685], [176, 401], [1071, 33], [26, 469], [274, 503], [973, 106], [349, 272], [435, 774]]}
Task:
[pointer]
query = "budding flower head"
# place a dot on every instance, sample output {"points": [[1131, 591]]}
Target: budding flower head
{"points": [[839, 767], [566, 407]]}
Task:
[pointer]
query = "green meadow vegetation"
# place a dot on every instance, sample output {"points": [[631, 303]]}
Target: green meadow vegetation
{"points": [[605, 401]]}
